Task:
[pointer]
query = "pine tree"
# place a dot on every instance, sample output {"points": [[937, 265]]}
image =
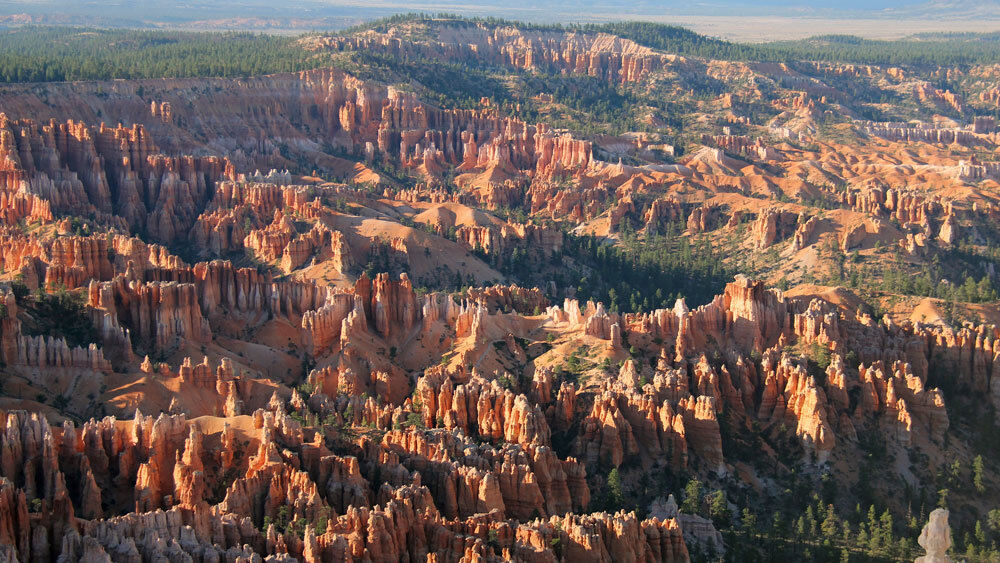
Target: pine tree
{"points": [[977, 474], [830, 524], [719, 509], [692, 497], [616, 492], [993, 519], [749, 521]]}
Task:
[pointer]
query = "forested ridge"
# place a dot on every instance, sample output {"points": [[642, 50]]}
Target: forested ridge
{"points": [[48, 54], [946, 50], [52, 54], [921, 49]]}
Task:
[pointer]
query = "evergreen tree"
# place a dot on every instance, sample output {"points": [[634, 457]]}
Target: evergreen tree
{"points": [[977, 474], [616, 492], [692, 497]]}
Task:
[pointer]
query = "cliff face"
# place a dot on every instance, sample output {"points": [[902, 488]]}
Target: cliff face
{"points": [[600, 55]]}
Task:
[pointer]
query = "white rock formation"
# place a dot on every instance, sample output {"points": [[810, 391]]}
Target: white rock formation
{"points": [[936, 538]]}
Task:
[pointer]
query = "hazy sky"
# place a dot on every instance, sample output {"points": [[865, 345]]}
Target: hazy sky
{"points": [[341, 13], [238, 7]]}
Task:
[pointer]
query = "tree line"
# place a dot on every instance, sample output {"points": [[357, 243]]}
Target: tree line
{"points": [[54, 54]]}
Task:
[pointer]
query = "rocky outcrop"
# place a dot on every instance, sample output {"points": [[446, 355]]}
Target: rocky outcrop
{"points": [[772, 226], [697, 531], [801, 402], [926, 134], [702, 219], [604, 56], [280, 242], [470, 445], [662, 211], [172, 465], [482, 409], [804, 233], [157, 314], [935, 538], [73, 261], [112, 173], [389, 305], [905, 206], [342, 315], [501, 241]]}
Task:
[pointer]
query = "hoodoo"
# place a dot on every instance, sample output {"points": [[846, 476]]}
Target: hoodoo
{"points": [[446, 289]]}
